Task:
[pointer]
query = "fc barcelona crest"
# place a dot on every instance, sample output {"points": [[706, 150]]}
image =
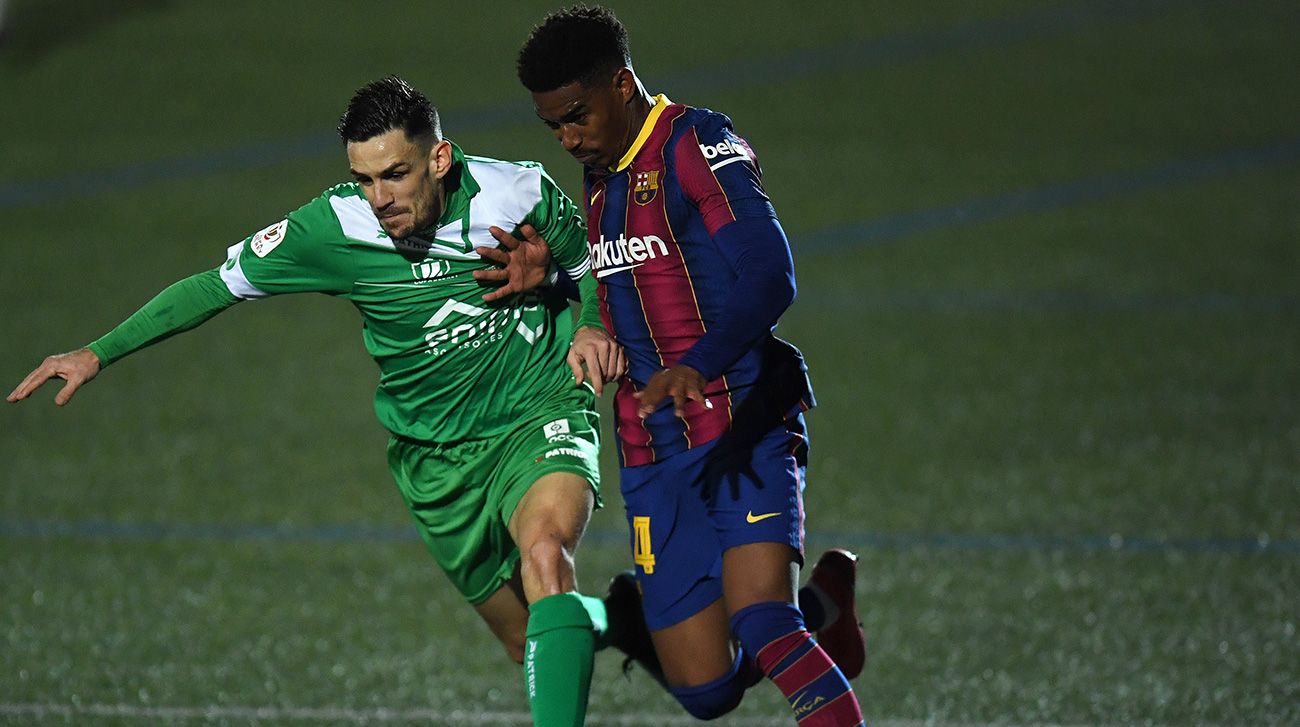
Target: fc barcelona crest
{"points": [[647, 186]]}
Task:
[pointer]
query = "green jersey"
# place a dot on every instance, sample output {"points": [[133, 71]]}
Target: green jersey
{"points": [[452, 368]]}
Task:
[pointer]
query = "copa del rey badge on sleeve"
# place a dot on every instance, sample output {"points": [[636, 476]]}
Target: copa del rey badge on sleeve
{"points": [[268, 239]]}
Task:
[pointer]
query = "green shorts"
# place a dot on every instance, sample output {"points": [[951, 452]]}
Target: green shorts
{"points": [[462, 495]]}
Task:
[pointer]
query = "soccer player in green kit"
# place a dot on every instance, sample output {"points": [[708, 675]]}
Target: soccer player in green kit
{"points": [[493, 447]]}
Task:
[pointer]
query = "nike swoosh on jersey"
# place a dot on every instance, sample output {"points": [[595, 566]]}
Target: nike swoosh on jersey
{"points": [[594, 195], [751, 518], [610, 271]]}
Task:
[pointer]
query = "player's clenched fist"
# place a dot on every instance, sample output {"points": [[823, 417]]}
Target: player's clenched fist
{"points": [[75, 367], [597, 352]]}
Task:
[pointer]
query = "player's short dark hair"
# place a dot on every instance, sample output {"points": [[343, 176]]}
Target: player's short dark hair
{"points": [[389, 103], [579, 43]]}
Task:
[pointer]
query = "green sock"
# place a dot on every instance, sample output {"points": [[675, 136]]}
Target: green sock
{"points": [[557, 660]]}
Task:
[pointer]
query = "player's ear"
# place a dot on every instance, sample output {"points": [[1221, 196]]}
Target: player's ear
{"points": [[440, 159], [625, 84]]}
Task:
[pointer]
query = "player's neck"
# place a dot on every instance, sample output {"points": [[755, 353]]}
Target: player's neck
{"points": [[640, 105]]}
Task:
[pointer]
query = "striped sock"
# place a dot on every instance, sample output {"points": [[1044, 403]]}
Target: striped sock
{"points": [[818, 693]]}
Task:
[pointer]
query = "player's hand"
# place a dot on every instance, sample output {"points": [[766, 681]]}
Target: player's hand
{"points": [[524, 263], [599, 354], [75, 367], [682, 383]]}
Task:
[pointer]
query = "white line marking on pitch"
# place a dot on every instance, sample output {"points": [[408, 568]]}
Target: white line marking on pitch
{"points": [[434, 716], [361, 716]]}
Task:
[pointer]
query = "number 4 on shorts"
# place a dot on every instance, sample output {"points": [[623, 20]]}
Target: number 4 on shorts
{"points": [[642, 555]]}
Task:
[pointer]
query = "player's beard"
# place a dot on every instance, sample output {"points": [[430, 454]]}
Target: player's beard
{"points": [[411, 219], [388, 224], [431, 212]]}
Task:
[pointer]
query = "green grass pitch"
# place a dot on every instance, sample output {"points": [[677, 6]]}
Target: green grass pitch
{"points": [[1049, 269]]}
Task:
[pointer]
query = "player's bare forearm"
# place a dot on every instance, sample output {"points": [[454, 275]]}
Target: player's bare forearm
{"points": [[681, 383], [74, 367]]}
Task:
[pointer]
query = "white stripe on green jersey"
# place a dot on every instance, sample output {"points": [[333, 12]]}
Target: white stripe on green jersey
{"points": [[452, 368]]}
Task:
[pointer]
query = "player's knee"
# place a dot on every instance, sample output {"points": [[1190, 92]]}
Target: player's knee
{"points": [[550, 561], [716, 698], [548, 549]]}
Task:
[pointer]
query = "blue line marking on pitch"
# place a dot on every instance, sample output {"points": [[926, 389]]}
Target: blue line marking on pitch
{"points": [[141, 174], [104, 530], [895, 48], [893, 228], [1042, 302], [1045, 199]]}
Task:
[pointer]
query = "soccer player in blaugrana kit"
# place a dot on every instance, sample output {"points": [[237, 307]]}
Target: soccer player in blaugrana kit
{"points": [[694, 272], [493, 446]]}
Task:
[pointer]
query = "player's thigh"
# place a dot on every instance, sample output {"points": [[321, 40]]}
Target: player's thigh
{"points": [[448, 491], [697, 650], [506, 614], [548, 467], [675, 549], [759, 573], [546, 484], [558, 503], [757, 510]]}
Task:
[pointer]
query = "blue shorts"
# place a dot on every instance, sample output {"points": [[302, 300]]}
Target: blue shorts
{"points": [[685, 511]]}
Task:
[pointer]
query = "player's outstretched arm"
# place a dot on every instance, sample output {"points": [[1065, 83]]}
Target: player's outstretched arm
{"points": [[74, 367], [596, 355], [180, 307], [525, 264]]}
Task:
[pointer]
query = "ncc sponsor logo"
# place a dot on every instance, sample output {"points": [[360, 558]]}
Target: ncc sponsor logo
{"points": [[557, 432], [726, 152], [624, 253], [556, 429], [268, 239]]}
